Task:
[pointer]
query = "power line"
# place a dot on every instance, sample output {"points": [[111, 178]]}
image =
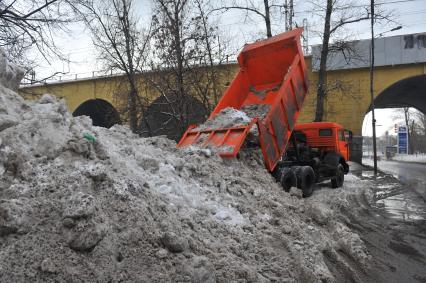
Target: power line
{"points": [[415, 24], [357, 6], [414, 13], [339, 8]]}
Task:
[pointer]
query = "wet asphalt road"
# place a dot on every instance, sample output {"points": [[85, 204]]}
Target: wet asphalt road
{"points": [[407, 172], [409, 202], [393, 226]]}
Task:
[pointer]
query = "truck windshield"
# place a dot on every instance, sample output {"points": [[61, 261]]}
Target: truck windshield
{"points": [[299, 136]]}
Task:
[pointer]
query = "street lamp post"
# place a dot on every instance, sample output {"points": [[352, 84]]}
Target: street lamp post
{"points": [[394, 29], [372, 89], [372, 84]]}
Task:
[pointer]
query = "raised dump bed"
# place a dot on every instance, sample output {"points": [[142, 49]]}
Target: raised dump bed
{"points": [[272, 76]]}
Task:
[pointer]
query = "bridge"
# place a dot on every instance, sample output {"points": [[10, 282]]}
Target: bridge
{"points": [[400, 81]]}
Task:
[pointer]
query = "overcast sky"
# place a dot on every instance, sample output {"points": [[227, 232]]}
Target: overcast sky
{"points": [[78, 47]]}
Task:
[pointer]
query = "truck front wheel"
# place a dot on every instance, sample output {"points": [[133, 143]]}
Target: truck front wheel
{"points": [[339, 178], [306, 180]]}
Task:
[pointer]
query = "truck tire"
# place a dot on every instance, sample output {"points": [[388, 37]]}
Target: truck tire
{"points": [[306, 180], [288, 179], [339, 178], [277, 173]]}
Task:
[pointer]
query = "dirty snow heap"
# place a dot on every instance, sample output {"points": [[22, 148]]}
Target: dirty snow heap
{"points": [[80, 203]]}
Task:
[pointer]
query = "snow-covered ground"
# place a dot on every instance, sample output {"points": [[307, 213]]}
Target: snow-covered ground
{"points": [[421, 158], [80, 203]]}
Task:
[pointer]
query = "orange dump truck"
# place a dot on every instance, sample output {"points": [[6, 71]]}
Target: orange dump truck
{"points": [[272, 76]]}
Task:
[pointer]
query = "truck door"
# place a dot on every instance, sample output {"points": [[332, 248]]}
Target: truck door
{"points": [[343, 144]]}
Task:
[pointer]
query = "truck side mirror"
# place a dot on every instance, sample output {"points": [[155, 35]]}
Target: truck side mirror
{"points": [[348, 135]]}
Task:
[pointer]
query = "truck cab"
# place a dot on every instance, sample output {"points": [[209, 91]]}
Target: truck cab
{"points": [[318, 151], [327, 137]]}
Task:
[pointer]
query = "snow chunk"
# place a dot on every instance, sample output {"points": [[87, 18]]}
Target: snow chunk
{"points": [[10, 75], [226, 118]]}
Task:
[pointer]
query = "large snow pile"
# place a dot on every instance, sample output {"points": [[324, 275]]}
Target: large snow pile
{"points": [[420, 158], [80, 203]]}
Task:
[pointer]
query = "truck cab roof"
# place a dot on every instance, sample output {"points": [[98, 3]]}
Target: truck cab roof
{"points": [[317, 125]]}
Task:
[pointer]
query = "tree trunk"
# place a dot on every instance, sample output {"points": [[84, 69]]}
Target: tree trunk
{"points": [[409, 131], [182, 108], [212, 69], [267, 19], [132, 99], [413, 139], [133, 111], [322, 72]]}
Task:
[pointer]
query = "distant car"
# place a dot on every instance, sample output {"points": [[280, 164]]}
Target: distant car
{"points": [[391, 151]]}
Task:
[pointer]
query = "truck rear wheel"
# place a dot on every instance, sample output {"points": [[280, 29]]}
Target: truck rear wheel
{"points": [[306, 180], [339, 178], [288, 179], [277, 173]]}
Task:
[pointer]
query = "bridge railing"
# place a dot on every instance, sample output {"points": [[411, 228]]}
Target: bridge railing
{"points": [[60, 77]]}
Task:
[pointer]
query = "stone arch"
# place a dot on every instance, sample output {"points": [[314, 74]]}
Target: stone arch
{"points": [[408, 92], [102, 113], [159, 120]]}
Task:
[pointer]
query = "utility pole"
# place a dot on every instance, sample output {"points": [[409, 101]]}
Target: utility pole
{"points": [[305, 36], [372, 89], [286, 14], [290, 19]]}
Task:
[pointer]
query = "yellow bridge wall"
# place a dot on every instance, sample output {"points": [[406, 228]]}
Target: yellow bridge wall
{"points": [[346, 104]]}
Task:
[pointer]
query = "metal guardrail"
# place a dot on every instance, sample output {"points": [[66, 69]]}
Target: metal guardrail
{"points": [[67, 77]]}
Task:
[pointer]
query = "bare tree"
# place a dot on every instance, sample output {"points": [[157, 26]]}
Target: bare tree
{"points": [[263, 9], [410, 126], [179, 41], [416, 122], [213, 53], [419, 132], [416, 126], [26, 24], [420, 117], [337, 15], [123, 46]]}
